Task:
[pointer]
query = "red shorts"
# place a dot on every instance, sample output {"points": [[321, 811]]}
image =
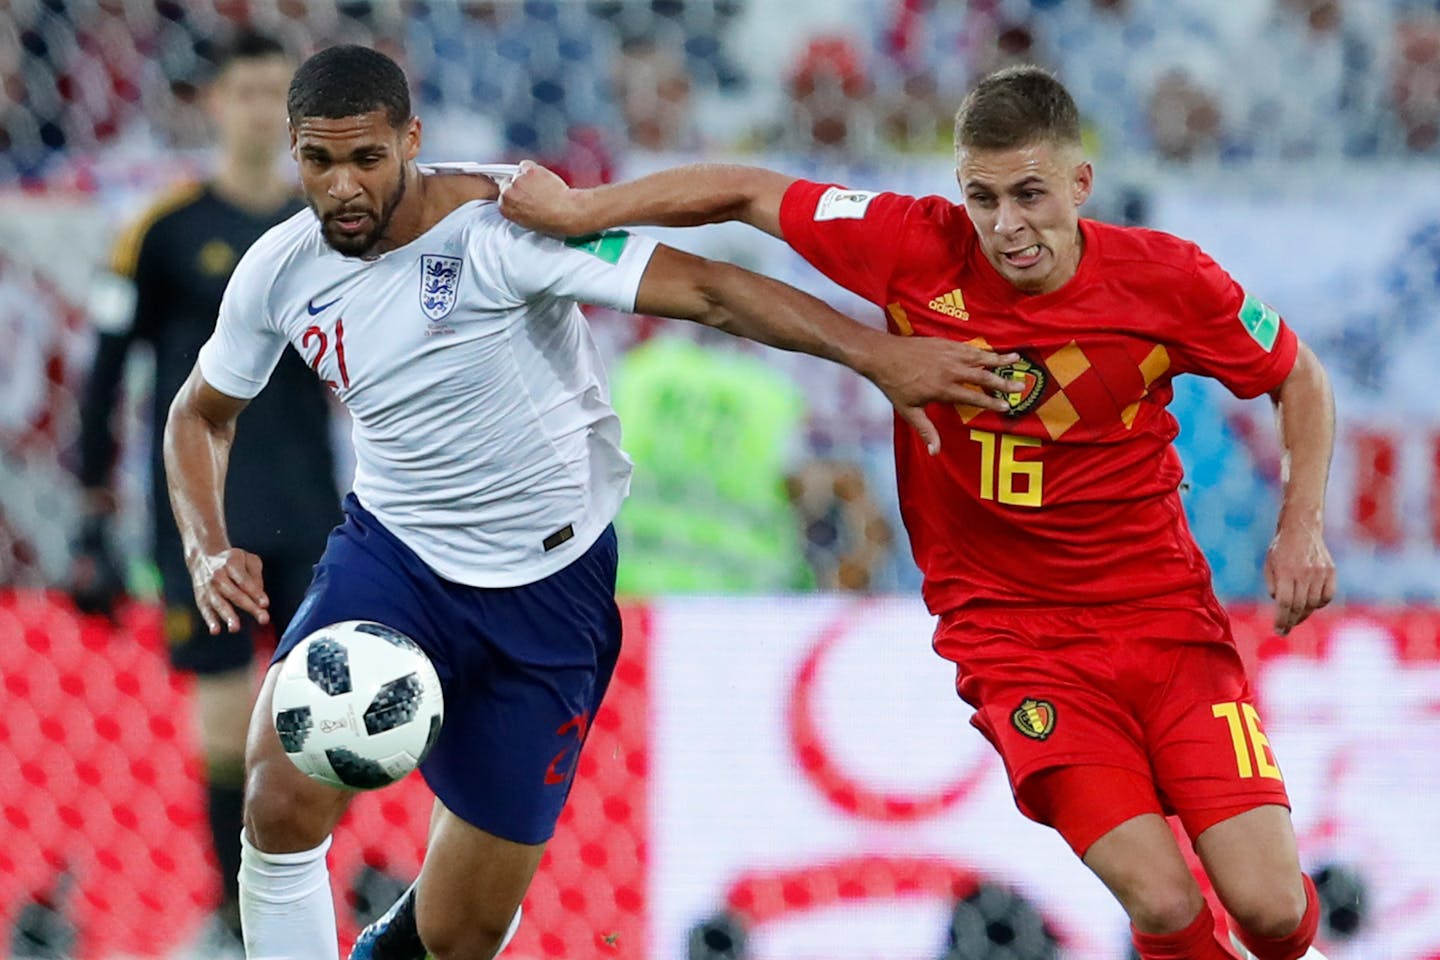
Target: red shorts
{"points": [[1152, 687]]}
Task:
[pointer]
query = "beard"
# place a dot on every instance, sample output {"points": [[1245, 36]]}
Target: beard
{"points": [[359, 244]]}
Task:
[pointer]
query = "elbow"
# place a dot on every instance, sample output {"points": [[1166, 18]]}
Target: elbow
{"points": [[716, 290]]}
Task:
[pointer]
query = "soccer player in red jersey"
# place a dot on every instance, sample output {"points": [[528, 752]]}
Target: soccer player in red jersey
{"points": [[1070, 594]]}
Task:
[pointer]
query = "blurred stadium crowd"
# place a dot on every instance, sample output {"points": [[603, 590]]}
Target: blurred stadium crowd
{"points": [[102, 107], [576, 81], [781, 477]]}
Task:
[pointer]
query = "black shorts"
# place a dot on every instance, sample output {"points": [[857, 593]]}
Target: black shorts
{"points": [[194, 650]]}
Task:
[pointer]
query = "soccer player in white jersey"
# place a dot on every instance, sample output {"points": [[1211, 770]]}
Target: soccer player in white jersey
{"points": [[488, 469]]}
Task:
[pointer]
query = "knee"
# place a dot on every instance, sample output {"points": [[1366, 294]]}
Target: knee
{"points": [[1263, 913], [476, 939], [284, 814], [1163, 907]]}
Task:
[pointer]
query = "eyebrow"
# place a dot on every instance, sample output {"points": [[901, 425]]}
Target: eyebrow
{"points": [[315, 150], [1018, 185]]}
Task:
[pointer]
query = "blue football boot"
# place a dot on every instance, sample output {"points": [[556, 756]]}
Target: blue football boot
{"points": [[393, 936]]}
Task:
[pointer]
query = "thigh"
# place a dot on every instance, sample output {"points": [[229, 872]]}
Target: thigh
{"points": [[1141, 864], [521, 703], [1042, 705], [1205, 736], [285, 811], [471, 884], [1252, 860]]}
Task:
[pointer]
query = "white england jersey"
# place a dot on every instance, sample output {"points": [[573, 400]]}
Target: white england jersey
{"points": [[484, 436]]}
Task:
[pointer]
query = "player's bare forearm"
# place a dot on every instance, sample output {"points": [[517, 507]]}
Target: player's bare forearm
{"points": [[1305, 412], [1299, 571], [679, 197], [199, 432], [911, 371], [198, 437]]}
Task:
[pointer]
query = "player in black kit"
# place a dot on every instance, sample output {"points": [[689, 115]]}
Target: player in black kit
{"points": [[168, 273]]}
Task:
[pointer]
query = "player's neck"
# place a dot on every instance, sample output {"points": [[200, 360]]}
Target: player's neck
{"points": [[256, 187], [430, 198]]}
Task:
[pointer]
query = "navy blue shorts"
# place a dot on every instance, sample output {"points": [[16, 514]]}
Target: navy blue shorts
{"points": [[523, 668]]}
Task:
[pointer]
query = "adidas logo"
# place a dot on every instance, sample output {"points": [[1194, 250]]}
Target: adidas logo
{"points": [[951, 304]]}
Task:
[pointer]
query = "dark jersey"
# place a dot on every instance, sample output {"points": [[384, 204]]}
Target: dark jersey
{"points": [[280, 494]]}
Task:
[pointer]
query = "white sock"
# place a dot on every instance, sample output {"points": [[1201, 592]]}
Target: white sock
{"points": [[510, 934], [287, 910]]}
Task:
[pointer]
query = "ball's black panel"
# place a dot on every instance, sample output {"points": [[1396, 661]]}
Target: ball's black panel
{"points": [[356, 771], [328, 666], [431, 737], [395, 703], [294, 727], [387, 633]]}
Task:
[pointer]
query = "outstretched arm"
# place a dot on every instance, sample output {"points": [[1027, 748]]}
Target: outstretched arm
{"points": [[198, 435], [1299, 572], [911, 371], [678, 197]]}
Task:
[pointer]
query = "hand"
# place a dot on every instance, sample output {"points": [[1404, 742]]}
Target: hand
{"points": [[97, 582], [915, 371], [225, 581], [536, 198], [1298, 572]]}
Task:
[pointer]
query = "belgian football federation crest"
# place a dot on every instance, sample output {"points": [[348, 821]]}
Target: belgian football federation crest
{"points": [[439, 285], [1033, 378], [1034, 718]]}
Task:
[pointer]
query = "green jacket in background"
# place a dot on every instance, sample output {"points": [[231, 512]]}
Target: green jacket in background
{"points": [[712, 434]]}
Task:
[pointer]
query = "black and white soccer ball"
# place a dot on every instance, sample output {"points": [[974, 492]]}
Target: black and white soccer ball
{"points": [[357, 704]]}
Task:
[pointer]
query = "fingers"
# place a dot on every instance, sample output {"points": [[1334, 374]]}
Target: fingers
{"points": [[1296, 597], [234, 586], [987, 358], [1284, 605], [916, 417]]}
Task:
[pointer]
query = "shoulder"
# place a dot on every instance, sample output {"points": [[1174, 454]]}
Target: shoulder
{"points": [[935, 230], [1146, 254], [453, 185], [125, 256]]}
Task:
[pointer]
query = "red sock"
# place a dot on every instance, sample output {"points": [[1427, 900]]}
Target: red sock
{"points": [[1195, 942], [1295, 944]]}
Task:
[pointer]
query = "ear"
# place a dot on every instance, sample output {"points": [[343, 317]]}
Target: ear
{"points": [[410, 140], [1083, 182], [294, 142]]}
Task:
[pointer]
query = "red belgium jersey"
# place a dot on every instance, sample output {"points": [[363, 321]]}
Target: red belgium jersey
{"points": [[1072, 496]]}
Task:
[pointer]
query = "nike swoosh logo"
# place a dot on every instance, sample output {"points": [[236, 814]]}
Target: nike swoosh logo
{"points": [[324, 306]]}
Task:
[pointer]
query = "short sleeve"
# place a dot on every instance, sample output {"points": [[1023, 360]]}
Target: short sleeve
{"points": [[242, 352], [603, 269], [1233, 336], [851, 236]]}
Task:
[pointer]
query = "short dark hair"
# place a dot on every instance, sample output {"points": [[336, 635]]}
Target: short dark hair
{"points": [[346, 81], [1016, 107]]}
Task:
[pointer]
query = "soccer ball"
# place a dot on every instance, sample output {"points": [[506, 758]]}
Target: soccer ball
{"points": [[357, 704]]}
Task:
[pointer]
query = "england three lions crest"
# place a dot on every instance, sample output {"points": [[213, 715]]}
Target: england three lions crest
{"points": [[439, 285]]}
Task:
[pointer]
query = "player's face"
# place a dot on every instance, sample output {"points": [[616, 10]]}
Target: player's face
{"points": [[1025, 204], [247, 104], [354, 172]]}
